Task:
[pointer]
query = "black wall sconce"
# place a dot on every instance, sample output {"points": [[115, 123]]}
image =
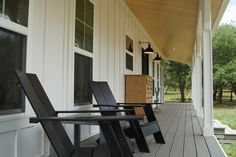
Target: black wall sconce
{"points": [[157, 59], [148, 50]]}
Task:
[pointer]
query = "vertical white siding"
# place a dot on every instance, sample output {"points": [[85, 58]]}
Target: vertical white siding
{"points": [[103, 39], [111, 43], [28, 143], [7, 144], [54, 51], [122, 50], [117, 49], [50, 55]]}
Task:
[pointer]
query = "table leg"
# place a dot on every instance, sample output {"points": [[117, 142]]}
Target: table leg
{"points": [[77, 135]]}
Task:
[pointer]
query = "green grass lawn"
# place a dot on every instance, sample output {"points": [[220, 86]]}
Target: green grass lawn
{"points": [[230, 149], [174, 96], [226, 114]]}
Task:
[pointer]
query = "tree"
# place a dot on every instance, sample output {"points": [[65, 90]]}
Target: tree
{"points": [[219, 81], [224, 44], [224, 50], [230, 76], [176, 75]]}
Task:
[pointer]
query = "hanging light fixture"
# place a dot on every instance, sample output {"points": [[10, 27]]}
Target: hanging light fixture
{"points": [[157, 59], [148, 50]]}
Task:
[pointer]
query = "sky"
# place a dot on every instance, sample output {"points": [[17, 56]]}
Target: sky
{"points": [[230, 13]]}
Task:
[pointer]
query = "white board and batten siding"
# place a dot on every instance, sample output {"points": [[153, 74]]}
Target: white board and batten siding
{"points": [[50, 54]]}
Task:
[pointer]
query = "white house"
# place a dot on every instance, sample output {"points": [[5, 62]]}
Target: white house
{"points": [[67, 42]]}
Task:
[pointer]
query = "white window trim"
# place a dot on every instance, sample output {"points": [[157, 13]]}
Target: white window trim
{"points": [[9, 25], [128, 71], [77, 49], [81, 52], [23, 30]]}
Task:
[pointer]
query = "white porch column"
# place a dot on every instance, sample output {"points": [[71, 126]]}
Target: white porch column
{"points": [[194, 80], [198, 64], [161, 81], [198, 85], [156, 80], [207, 65]]}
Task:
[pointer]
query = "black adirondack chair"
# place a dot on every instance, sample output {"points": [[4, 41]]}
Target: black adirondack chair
{"points": [[52, 124], [106, 101]]}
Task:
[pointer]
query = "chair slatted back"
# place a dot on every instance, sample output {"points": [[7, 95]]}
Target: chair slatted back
{"points": [[43, 108], [103, 96]]}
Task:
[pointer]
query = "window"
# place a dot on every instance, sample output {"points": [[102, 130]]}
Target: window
{"points": [[12, 56], [129, 53], [15, 11], [129, 62], [84, 25], [82, 77], [83, 47], [12, 53], [0, 8], [129, 44]]}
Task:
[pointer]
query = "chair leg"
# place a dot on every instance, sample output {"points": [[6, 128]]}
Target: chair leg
{"points": [[116, 141], [151, 117], [122, 139], [139, 137], [159, 137], [136, 132]]}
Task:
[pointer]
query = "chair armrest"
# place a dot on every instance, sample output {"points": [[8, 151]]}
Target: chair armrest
{"points": [[144, 104], [86, 118], [104, 105], [94, 111]]}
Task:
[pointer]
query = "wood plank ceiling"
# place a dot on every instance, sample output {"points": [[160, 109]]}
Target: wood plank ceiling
{"points": [[172, 25]]}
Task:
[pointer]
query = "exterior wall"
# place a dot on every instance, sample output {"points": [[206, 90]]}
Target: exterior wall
{"points": [[50, 54]]}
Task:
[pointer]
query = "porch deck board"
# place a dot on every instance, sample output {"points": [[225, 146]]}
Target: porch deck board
{"points": [[165, 122], [182, 131], [164, 149], [189, 144], [178, 143], [201, 145], [183, 134], [214, 147]]}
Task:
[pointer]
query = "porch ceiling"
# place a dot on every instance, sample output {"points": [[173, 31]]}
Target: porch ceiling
{"points": [[172, 24]]}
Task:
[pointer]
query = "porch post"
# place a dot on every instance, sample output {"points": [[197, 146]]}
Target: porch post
{"points": [[198, 81], [194, 80], [207, 65], [156, 80], [199, 85], [161, 81], [199, 73]]}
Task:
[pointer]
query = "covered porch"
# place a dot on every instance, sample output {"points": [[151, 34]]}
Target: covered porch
{"points": [[65, 49]]}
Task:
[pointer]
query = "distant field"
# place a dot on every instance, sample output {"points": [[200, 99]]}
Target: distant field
{"points": [[230, 149], [226, 111], [174, 96], [226, 114]]}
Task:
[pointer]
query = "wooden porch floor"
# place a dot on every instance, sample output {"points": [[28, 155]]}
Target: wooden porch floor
{"points": [[182, 131]]}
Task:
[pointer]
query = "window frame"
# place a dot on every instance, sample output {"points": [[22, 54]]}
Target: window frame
{"points": [[80, 51], [22, 30], [127, 52], [22, 109], [82, 103], [85, 25]]}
